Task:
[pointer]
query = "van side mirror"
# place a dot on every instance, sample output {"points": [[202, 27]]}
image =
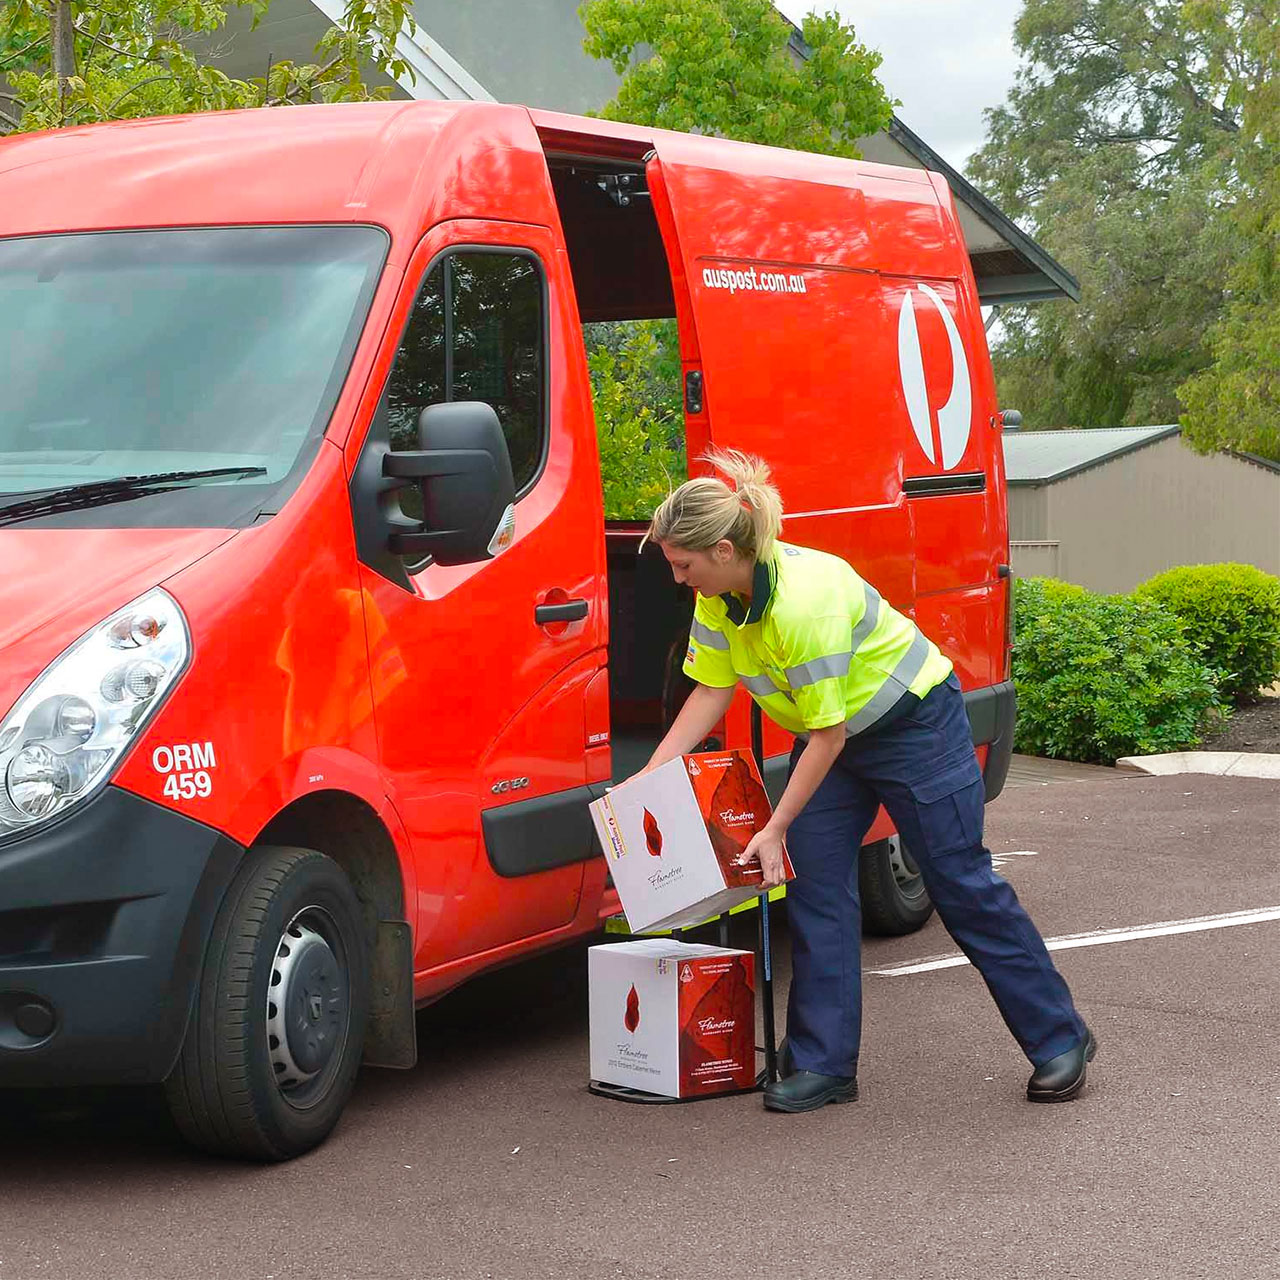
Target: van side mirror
{"points": [[463, 468], [1010, 419]]}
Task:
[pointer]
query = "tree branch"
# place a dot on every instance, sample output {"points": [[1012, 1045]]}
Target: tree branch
{"points": [[323, 71], [134, 89], [10, 57], [1103, 139], [124, 53], [88, 57]]}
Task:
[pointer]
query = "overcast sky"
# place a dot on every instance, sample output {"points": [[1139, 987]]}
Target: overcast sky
{"points": [[945, 60]]}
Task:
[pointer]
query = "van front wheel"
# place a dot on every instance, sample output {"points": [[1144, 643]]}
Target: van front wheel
{"points": [[894, 899], [275, 1035]]}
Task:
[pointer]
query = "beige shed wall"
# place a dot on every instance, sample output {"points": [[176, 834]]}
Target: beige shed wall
{"points": [[1031, 552], [1028, 512], [1118, 523]]}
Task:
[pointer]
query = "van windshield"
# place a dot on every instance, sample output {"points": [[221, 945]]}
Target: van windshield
{"points": [[218, 351]]}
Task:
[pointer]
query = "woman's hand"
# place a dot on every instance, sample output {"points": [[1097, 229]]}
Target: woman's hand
{"points": [[767, 846]]}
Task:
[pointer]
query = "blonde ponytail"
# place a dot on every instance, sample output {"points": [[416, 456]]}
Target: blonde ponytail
{"points": [[747, 510]]}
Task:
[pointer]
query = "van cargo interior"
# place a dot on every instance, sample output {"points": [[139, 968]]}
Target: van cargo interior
{"points": [[620, 272]]}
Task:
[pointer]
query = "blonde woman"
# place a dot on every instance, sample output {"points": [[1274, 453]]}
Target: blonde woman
{"points": [[879, 719]]}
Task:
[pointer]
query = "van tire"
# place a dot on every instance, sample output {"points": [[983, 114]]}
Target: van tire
{"points": [[894, 899], [235, 1091]]}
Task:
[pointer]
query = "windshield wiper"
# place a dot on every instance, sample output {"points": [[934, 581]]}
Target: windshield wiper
{"points": [[97, 493]]}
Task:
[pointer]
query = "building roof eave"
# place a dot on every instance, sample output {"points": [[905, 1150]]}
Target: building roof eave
{"points": [[429, 61], [1129, 446], [1256, 459], [1017, 238]]}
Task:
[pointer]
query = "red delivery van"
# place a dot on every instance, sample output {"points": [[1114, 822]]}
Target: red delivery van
{"points": [[314, 642]]}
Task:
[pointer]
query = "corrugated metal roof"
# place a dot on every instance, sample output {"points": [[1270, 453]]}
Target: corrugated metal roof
{"points": [[1034, 457]]}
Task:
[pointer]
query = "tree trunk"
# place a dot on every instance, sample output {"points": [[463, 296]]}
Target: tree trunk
{"points": [[62, 41]]}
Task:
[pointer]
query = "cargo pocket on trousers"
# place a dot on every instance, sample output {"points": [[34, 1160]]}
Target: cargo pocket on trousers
{"points": [[949, 806]]}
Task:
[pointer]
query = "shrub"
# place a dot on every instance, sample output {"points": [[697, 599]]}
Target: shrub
{"points": [[1030, 593], [1231, 612], [1100, 677]]}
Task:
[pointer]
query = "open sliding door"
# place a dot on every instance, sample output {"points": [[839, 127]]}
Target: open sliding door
{"points": [[773, 258]]}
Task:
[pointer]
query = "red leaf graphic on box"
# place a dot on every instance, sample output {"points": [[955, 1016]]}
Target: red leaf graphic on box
{"points": [[739, 808], [717, 1030], [652, 836], [631, 1019]]}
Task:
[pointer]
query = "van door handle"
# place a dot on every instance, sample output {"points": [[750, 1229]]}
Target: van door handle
{"points": [[569, 611]]}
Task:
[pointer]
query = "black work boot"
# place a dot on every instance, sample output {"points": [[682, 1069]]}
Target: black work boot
{"points": [[807, 1091], [1061, 1078]]}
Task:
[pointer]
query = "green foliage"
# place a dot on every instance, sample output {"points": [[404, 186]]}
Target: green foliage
{"points": [[724, 67], [1231, 613], [635, 384], [1052, 590], [1099, 677], [72, 62], [1150, 267], [1121, 148], [1235, 403]]}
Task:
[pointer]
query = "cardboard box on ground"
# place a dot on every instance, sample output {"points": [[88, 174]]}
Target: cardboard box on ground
{"points": [[672, 1018], [672, 838]]}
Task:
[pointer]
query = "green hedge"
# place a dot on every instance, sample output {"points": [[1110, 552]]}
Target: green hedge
{"points": [[1231, 613], [1100, 677]]}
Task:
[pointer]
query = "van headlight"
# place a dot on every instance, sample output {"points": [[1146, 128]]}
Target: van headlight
{"points": [[66, 734]]}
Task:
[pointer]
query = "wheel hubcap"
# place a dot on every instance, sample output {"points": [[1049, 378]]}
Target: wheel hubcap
{"points": [[307, 1005], [903, 865]]}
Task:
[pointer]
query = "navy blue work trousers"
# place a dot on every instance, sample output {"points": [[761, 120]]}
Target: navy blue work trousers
{"points": [[923, 769]]}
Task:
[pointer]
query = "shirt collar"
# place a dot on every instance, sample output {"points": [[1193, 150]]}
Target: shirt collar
{"points": [[763, 581]]}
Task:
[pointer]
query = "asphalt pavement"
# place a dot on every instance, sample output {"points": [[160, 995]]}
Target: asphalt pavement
{"points": [[491, 1159]]}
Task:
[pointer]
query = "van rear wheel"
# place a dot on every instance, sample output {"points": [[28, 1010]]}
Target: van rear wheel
{"points": [[276, 1031], [894, 899]]}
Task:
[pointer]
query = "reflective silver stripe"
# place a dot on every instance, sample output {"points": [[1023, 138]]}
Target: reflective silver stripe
{"points": [[706, 635], [909, 666], [833, 666], [836, 665], [870, 617], [763, 687]]}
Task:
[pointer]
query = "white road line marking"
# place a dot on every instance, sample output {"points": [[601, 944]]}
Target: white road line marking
{"points": [[998, 859], [1097, 938]]}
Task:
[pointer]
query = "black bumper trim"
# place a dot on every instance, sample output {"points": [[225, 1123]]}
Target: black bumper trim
{"points": [[542, 833], [992, 713], [106, 918]]}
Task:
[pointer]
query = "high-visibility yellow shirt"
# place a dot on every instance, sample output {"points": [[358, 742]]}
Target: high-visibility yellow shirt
{"points": [[818, 647]]}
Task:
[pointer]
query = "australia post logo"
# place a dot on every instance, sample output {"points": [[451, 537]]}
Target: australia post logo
{"points": [[943, 432]]}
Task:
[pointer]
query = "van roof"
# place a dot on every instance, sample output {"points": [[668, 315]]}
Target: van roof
{"points": [[277, 165], [382, 162]]}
